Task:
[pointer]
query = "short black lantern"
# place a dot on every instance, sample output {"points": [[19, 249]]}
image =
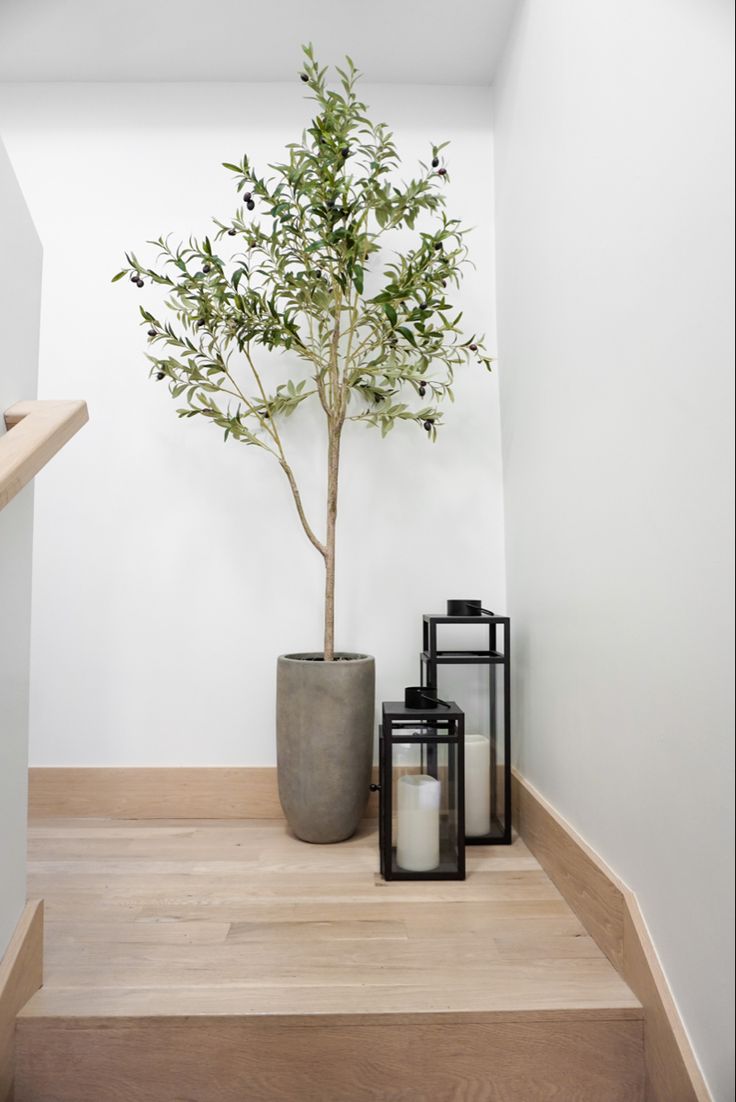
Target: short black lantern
{"points": [[421, 810]]}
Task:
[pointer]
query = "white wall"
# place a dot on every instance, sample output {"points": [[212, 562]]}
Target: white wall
{"points": [[168, 586], [20, 292], [614, 183]]}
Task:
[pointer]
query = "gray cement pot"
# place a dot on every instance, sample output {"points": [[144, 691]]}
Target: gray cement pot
{"points": [[324, 742]]}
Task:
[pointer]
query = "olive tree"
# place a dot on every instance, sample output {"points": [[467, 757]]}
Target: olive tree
{"points": [[309, 273]]}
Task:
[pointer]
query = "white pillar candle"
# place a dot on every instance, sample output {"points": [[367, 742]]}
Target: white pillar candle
{"points": [[418, 827], [477, 785]]}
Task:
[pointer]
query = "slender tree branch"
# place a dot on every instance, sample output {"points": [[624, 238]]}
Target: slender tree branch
{"points": [[300, 509]]}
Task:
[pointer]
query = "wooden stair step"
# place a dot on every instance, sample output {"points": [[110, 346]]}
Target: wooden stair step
{"points": [[609, 999], [227, 962], [202, 1052]]}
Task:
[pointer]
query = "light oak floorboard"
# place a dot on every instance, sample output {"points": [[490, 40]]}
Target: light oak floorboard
{"points": [[309, 976], [169, 908]]}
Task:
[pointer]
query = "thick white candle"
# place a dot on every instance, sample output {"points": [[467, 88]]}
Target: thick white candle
{"points": [[477, 785], [418, 827]]}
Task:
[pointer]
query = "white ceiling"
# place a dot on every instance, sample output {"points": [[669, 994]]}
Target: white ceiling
{"points": [[393, 41]]}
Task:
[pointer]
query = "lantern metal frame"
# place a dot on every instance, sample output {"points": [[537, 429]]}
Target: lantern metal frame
{"points": [[443, 725], [430, 661]]}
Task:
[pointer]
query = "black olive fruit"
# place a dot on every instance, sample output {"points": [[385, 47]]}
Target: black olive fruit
{"points": [[473, 347], [152, 333], [133, 277], [200, 323], [247, 195], [232, 232], [206, 268], [428, 426], [139, 282], [422, 391], [304, 77], [160, 375], [344, 152], [250, 205], [441, 171], [435, 162]]}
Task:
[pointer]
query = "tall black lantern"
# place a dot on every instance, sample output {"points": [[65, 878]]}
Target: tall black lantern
{"points": [[421, 812], [487, 752]]}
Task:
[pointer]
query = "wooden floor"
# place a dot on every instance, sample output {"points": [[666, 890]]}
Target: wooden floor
{"points": [[234, 920]]}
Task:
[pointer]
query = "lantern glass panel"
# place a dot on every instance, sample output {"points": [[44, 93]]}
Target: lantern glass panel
{"points": [[486, 767], [425, 802]]}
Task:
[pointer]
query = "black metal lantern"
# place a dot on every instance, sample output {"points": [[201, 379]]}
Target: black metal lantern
{"points": [[421, 808], [487, 752]]}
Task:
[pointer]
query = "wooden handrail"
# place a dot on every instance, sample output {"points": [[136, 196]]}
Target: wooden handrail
{"points": [[37, 430]]}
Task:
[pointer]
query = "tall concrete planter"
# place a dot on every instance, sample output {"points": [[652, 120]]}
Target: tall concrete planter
{"points": [[324, 741]]}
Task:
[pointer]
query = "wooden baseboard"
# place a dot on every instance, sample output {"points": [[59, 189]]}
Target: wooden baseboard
{"points": [[673, 1073], [21, 974], [164, 793], [610, 913], [593, 892]]}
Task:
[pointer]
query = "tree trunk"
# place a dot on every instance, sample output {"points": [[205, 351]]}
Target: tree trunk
{"points": [[333, 472]]}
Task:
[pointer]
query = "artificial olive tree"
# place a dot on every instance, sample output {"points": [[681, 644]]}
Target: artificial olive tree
{"points": [[308, 274]]}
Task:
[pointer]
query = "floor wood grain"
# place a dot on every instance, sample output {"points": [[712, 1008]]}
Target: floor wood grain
{"points": [[224, 1060], [296, 962]]}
